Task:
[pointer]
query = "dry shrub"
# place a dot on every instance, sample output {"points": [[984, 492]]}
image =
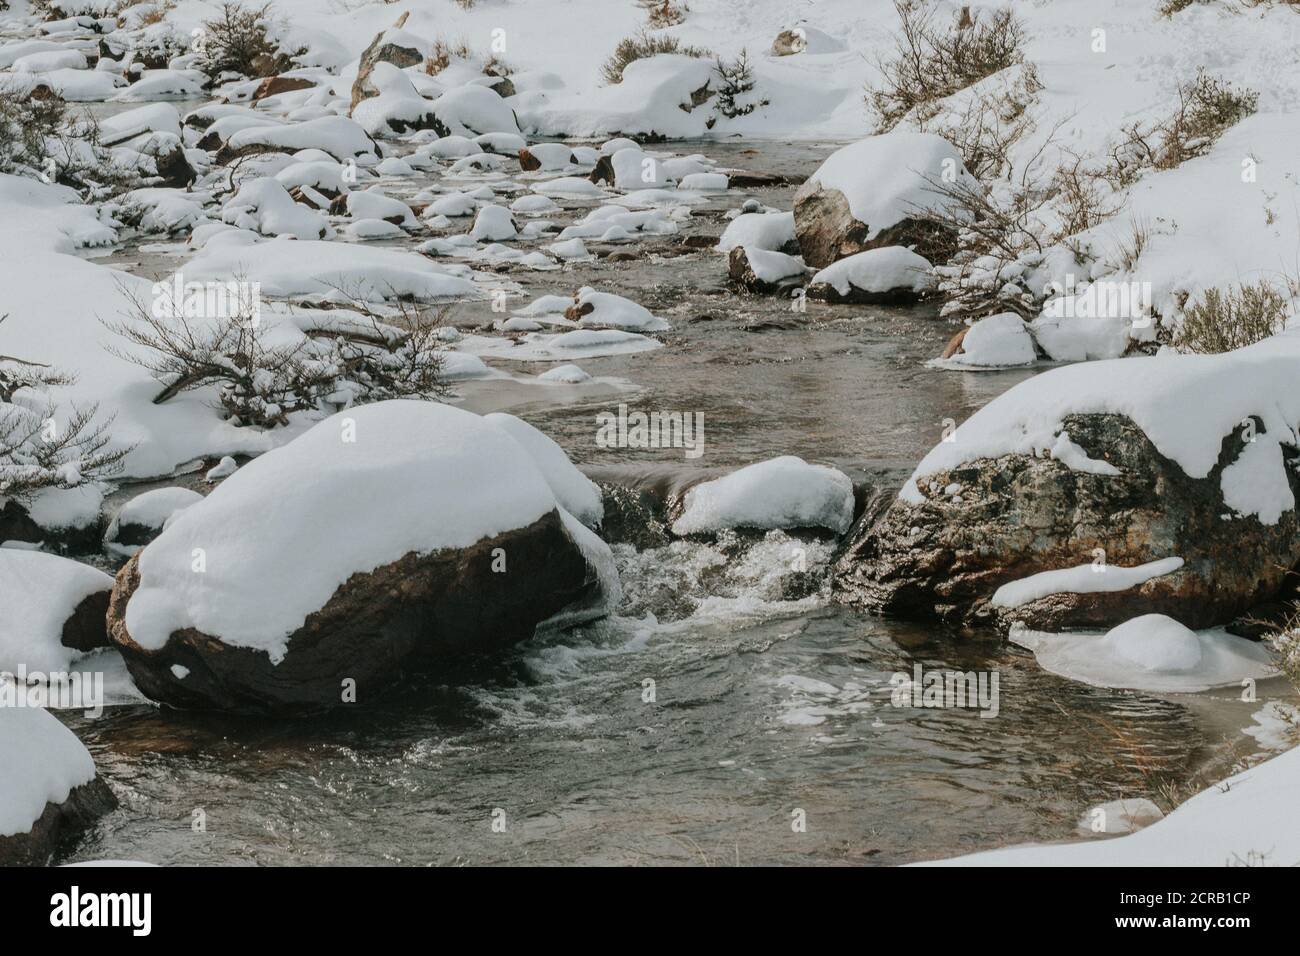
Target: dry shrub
{"points": [[260, 384], [1207, 107], [1222, 321], [931, 63], [443, 52], [631, 49], [663, 13], [36, 451]]}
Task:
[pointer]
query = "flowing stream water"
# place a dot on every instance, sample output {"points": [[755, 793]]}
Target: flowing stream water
{"points": [[717, 709]]}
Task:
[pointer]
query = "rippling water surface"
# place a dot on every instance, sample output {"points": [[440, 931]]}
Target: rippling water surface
{"points": [[696, 725]]}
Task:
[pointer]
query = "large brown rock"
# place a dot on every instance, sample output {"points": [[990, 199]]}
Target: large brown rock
{"points": [[404, 616], [383, 49], [1018, 515], [827, 230], [275, 85]]}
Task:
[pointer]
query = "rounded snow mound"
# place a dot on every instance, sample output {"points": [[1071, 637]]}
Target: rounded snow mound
{"points": [[1156, 643], [41, 594], [785, 492], [1152, 653], [43, 761], [358, 491]]}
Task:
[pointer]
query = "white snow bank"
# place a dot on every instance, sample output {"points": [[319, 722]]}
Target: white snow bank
{"points": [[1246, 820], [410, 476], [876, 270], [1083, 579], [1152, 653], [295, 268], [785, 492], [38, 593], [42, 760]]}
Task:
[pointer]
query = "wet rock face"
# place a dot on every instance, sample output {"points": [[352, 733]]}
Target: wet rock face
{"points": [[404, 616], [1018, 515], [57, 825], [828, 232], [85, 629]]}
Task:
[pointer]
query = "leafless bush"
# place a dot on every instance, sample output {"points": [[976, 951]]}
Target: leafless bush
{"points": [[989, 124], [1082, 198], [35, 450], [1223, 321], [43, 137], [443, 52], [1005, 226], [931, 62], [631, 49], [259, 384], [1207, 107]]}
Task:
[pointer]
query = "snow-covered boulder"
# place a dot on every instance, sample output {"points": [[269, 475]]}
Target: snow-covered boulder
{"points": [[456, 541], [398, 108], [806, 39], [393, 46], [142, 518], [546, 156], [48, 789], [758, 270], [998, 341], [1188, 460], [473, 110], [890, 275], [265, 206], [605, 310], [785, 492], [493, 224], [875, 193], [338, 136], [51, 609], [773, 231]]}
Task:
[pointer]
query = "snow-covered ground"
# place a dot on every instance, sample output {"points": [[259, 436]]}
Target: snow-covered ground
{"points": [[299, 193]]}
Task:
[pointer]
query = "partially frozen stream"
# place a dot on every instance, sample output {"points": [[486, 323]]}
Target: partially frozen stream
{"points": [[764, 703]]}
